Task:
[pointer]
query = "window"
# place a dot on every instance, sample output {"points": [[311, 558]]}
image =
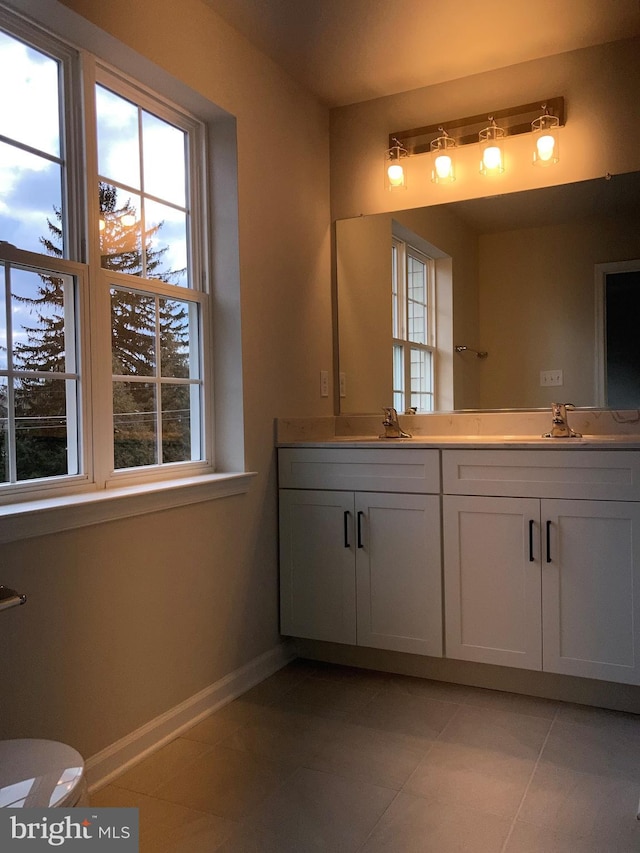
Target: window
{"points": [[104, 305], [39, 373], [413, 328]]}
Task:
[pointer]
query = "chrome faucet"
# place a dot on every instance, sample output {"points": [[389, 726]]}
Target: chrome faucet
{"points": [[559, 424], [391, 425]]}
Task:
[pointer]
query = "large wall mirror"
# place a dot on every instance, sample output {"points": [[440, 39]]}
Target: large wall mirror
{"points": [[514, 276]]}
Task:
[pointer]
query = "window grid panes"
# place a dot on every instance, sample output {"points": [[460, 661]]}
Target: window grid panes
{"points": [[421, 380], [417, 299], [144, 232], [39, 380], [141, 356], [157, 388], [413, 328], [31, 155], [142, 191]]}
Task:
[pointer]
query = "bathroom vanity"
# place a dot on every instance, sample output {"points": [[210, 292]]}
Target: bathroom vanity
{"points": [[518, 552], [360, 546]]}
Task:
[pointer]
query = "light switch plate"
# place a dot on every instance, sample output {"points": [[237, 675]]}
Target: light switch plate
{"points": [[550, 377]]}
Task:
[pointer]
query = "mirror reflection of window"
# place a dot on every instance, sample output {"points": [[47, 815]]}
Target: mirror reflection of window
{"points": [[523, 265], [413, 321]]}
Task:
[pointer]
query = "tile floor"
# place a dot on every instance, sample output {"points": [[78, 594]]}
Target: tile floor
{"points": [[327, 758]]}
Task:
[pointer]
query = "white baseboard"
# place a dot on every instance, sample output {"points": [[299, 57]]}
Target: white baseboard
{"points": [[110, 762]]}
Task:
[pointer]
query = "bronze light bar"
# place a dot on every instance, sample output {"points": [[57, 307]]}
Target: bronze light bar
{"points": [[514, 120]]}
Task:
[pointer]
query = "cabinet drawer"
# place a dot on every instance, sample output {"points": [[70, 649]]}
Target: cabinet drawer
{"points": [[594, 475], [399, 469]]}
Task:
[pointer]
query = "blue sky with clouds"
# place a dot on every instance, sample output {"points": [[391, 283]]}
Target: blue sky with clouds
{"points": [[30, 185]]}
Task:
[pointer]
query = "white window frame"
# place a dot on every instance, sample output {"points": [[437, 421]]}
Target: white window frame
{"points": [[27, 489], [402, 250], [67, 502], [98, 72]]}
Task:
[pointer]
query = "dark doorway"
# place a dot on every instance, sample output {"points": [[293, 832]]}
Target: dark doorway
{"points": [[622, 339]]}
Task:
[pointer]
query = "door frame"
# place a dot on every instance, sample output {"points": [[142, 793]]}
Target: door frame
{"points": [[601, 273]]}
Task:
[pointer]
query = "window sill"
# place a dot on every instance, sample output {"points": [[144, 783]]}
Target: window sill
{"points": [[52, 515]]}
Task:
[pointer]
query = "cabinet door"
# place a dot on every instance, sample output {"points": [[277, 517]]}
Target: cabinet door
{"points": [[591, 589], [398, 570], [492, 580], [317, 565]]}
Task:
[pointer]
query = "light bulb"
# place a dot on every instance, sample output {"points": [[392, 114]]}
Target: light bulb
{"points": [[394, 168], [492, 158], [545, 145], [102, 224], [128, 219], [442, 158], [547, 142], [443, 166], [395, 173]]}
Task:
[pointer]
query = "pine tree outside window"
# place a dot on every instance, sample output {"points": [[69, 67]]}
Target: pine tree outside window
{"points": [[103, 307]]}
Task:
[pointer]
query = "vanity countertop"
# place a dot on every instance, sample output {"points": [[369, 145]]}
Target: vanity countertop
{"points": [[587, 442]]}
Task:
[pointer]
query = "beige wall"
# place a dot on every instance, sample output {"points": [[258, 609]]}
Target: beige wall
{"points": [[125, 620], [537, 308], [363, 268]]}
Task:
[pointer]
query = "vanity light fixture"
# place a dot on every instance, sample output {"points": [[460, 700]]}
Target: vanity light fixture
{"points": [[395, 166], [442, 163], [492, 149], [546, 136], [461, 132]]}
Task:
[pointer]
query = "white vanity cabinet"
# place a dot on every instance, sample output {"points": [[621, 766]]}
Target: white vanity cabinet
{"points": [[492, 590], [542, 560], [360, 547]]}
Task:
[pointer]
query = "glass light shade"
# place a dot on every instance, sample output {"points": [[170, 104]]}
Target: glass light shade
{"points": [[395, 171], [442, 163], [128, 220], [395, 174], [491, 150], [546, 140]]}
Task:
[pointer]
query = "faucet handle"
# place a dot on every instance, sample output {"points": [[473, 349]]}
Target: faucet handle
{"points": [[390, 414], [392, 425], [560, 425]]}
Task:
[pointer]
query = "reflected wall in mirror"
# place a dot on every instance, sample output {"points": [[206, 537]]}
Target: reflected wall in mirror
{"points": [[515, 275]]}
